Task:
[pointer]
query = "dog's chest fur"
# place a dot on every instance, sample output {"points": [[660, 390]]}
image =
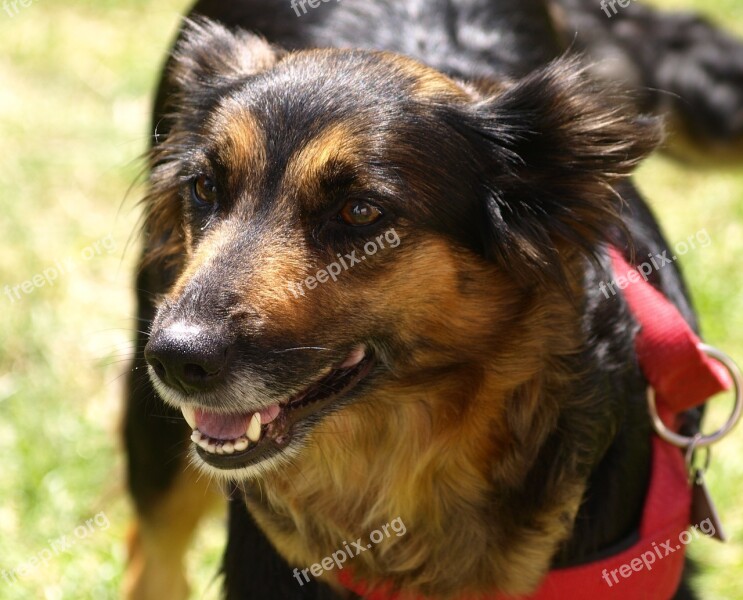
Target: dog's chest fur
{"points": [[460, 478]]}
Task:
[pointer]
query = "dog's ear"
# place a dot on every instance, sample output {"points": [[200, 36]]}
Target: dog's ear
{"points": [[207, 60], [550, 148], [210, 57]]}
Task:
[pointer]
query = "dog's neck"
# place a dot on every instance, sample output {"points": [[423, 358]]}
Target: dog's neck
{"points": [[485, 463]]}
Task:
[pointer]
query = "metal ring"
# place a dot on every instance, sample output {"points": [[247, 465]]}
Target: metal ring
{"points": [[683, 441]]}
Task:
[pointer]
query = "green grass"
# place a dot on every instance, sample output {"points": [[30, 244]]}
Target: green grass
{"points": [[74, 110], [77, 83]]}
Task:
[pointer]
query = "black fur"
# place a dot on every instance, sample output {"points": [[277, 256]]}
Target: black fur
{"points": [[681, 65], [515, 38], [249, 553]]}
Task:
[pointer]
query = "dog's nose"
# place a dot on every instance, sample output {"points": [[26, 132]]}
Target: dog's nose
{"points": [[188, 357]]}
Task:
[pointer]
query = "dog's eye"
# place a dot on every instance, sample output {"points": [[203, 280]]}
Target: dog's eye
{"points": [[359, 213], [204, 190]]}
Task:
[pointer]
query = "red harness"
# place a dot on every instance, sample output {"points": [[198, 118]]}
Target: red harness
{"points": [[682, 377]]}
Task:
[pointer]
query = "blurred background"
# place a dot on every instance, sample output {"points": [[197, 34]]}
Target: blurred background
{"points": [[76, 84]]}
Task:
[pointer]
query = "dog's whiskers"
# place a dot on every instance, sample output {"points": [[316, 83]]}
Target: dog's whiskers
{"points": [[299, 348]]}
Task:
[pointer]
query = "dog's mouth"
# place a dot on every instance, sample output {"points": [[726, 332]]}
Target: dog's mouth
{"points": [[235, 441]]}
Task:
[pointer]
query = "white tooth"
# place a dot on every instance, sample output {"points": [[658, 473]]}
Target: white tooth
{"points": [[220, 449], [204, 443], [189, 413], [196, 436], [228, 448], [241, 444], [211, 448], [254, 429]]}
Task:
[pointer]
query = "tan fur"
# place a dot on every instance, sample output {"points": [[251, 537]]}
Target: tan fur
{"points": [[158, 541], [423, 449], [241, 142], [335, 145], [427, 83]]}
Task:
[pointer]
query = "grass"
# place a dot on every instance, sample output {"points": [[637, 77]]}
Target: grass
{"points": [[73, 115], [78, 78]]}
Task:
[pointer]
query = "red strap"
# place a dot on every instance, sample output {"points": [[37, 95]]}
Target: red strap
{"points": [[683, 377], [665, 517], [668, 350]]}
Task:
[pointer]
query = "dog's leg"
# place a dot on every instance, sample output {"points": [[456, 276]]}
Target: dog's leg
{"points": [[169, 498], [160, 537], [680, 66]]}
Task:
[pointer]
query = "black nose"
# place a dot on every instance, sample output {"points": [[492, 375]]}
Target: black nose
{"points": [[188, 357]]}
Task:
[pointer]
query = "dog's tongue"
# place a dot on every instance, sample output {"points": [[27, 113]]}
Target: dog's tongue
{"points": [[222, 427]]}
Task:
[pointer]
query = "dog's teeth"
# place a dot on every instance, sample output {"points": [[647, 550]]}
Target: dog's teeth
{"points": [[254, 429], [231, 446], [189, 413]]}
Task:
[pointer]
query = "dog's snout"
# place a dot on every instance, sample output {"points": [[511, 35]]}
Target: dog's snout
{"points": [[187, 357]]}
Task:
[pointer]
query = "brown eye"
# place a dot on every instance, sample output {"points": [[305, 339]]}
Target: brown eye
{"points": [[360, 212], [204, 191]]}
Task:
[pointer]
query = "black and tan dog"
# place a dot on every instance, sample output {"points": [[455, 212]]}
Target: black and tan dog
{"points": [[466, 376]]}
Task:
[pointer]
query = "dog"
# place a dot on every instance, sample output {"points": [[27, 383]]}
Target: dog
{"points": [[370, 287]]}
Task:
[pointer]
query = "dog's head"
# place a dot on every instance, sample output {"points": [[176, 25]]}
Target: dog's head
{"points": [[341, 220]]}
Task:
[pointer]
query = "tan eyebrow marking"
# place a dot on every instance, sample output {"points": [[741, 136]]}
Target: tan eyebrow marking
{"points": [[336, 144], [240, 140]]}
